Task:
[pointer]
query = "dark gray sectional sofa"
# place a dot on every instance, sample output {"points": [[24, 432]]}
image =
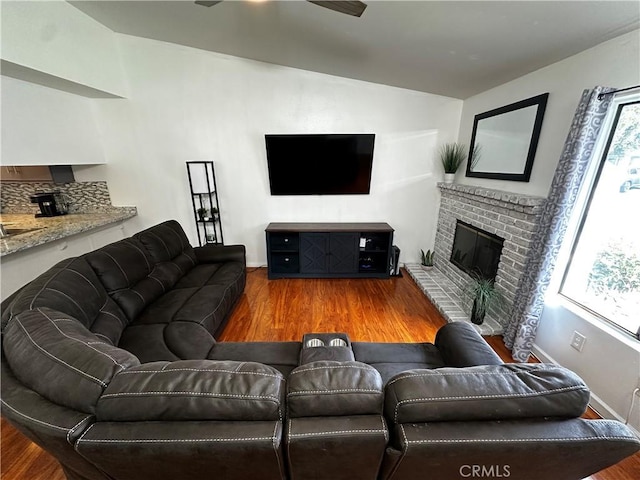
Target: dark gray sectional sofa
{"points": [[109, 362]]}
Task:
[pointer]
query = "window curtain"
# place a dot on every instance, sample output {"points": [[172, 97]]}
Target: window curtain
{"points": [[521, 329]]}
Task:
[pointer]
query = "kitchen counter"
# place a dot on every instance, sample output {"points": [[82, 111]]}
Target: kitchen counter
{"points": [[56, 228]]}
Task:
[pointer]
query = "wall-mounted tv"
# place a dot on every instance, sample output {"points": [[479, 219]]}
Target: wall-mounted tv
{"points": [[320, 164]]}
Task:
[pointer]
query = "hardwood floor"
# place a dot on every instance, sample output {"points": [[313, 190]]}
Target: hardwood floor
{"points": [[368, 310]]}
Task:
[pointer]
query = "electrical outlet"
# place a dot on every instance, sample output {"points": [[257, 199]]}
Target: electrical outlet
{"points": [[578, 340]]}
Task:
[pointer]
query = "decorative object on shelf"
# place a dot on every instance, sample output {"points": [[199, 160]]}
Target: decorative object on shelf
{"points": [[508, 137], [426, 259], [485, 295], [204, 197], [452, 155]]}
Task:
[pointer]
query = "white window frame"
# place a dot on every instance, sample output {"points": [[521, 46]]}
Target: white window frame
{"points": [[555, 294]]}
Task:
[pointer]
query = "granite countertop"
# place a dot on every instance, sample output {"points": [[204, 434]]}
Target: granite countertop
{"points": [[50, 229]]}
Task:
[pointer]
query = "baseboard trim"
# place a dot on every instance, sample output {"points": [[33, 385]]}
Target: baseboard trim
{"points": [[596, 403]]}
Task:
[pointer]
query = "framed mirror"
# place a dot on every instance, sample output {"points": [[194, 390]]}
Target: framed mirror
{"points": [[504, 140]]}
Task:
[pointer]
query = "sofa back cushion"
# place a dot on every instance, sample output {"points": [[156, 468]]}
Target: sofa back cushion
{"points": [[169, 248], [72, 287], [488, 392], [56, 356], [128, 274], [137, 271]]}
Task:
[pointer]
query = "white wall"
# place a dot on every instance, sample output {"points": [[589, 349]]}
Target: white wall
{"points": [[54, 38], [609, 364], [43, 126], [614, 63], [188, 104]]}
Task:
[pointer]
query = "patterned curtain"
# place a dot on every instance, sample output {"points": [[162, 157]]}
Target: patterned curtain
{"points": [[576, 155]]}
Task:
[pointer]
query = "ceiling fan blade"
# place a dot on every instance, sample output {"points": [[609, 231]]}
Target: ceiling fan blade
{"points": [[206, 3], [354, 8]]}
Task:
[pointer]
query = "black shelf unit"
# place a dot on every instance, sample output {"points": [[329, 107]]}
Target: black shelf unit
{"points": [[204, 195], [328, 250]]}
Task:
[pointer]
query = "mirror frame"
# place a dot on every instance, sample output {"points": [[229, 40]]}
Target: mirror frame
{"points": [[541, 102]]}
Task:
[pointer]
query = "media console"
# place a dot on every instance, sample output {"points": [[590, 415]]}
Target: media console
{"points": [[329, 250]]}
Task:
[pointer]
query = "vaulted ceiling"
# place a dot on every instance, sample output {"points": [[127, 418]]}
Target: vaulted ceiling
{"points": [[451, 48]]}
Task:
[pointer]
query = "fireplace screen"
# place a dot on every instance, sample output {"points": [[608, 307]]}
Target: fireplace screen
{"points": [[475, 251]]}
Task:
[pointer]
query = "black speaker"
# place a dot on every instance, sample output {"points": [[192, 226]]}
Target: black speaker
{"points": [[394, 265]]}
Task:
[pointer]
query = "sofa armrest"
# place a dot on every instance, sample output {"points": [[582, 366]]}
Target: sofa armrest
{"points": [[460, 345], [491, 392], [330, 388], [220, 253], [194, 390]]}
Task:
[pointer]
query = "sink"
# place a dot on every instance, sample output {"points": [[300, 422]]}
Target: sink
{"points": [[11, 232]]}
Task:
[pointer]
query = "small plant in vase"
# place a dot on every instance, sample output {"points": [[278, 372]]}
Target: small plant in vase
{"points": [[485, 295], [202, 213], [426, 259], [214, 213], [452, 155]]}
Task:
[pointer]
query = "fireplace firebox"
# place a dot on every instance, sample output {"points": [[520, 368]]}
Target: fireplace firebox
{"points": [[476, 251]]}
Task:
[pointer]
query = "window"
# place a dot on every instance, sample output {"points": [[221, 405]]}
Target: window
{"points": [[603, 274]]}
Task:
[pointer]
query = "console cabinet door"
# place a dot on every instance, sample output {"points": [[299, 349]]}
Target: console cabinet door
{"points": [[343, 248], [314, 248]]}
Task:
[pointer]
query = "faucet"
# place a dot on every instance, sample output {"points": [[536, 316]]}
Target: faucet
{"points": [[3, 232]]}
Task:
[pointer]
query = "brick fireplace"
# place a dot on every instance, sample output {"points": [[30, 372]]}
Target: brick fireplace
{"points": [[510, 216]]}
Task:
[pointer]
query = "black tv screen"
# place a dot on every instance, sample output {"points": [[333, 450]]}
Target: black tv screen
{"points": [[329, 164]]}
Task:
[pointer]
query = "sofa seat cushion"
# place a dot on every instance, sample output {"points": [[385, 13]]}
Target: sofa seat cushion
{"points": [[390, 359], [282, 356], [228, 273], [194, 390], [488, 392]]}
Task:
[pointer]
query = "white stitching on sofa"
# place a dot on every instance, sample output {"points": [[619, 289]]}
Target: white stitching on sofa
{"points": [[480, 397], [521, 440], [336, 432], [197, 394], [82, 342], [437, 374], [323, 392], [100, 382], [161, 284], [162, 242], [177, 440], [223, 295], [68, 297], [62, 269], [58, 427], [70, 432], [273, 375], [142, 253], [118, 265], [366, 368], [139, 294], [83, 276], [75, 447], [384, 427], [123, 322]]}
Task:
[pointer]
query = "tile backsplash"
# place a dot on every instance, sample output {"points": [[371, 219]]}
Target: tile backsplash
{"points": [[83, 197]]}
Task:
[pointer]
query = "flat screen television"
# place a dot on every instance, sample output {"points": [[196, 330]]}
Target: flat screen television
{"points": [[314, 164]]}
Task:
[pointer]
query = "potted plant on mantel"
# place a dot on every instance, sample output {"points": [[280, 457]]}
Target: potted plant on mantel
{"points": [[485, 295], [452, 155], [426, 259]]}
